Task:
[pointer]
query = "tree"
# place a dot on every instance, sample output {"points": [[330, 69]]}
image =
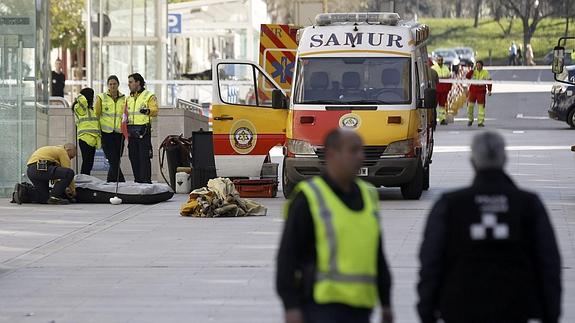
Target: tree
{"points": [[531, 12], [66, 25], [476, 11]]}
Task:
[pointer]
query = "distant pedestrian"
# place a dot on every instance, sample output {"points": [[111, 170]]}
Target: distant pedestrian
{"points": [[331, 266], [477, 94], [87, 128], [142, 107], [58, 79], [520, 55], [109, 108], [513, 54], [489, 253], [529, 58]]}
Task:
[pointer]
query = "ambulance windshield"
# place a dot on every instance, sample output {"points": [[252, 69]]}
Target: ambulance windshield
{"points": [[353, 80]]}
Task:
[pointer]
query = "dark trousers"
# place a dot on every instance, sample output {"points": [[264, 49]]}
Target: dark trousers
{"points": [[113, 146], [335, 313], [88, 153], [140, 153], [41, 180]]}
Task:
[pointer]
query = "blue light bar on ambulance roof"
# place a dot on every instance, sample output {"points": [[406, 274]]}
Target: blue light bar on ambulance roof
{"points": [[382, 18]]}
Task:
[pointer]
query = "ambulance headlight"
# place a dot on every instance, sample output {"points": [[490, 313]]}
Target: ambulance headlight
{"points": [[399, 148], [300, 147]]}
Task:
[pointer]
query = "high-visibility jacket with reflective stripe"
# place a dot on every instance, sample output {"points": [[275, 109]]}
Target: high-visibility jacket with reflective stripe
{"points": [[87, 124], [443, 71], [482, 75], [347, 243], [134, 107], [111, 114]]}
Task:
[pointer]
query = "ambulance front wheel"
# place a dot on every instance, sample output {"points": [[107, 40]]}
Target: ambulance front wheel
{"points": [[287, 186], [413, 189], [426, 178]]}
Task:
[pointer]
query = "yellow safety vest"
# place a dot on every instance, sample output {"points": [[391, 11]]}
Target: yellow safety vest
{"points": [[347, 244], [134, 106], [442, 71], [481, 75], [111, 115], [87, 124]]}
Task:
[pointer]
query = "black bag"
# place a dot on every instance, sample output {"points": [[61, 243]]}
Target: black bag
{"points": [[26, 190]]}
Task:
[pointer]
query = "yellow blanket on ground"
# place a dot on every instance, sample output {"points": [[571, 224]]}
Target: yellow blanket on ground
{"points": [[220, 199]]}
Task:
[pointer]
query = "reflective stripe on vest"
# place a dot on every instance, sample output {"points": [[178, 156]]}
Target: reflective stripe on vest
{"points": [[112, 111], [134, 106], [339, 280]]}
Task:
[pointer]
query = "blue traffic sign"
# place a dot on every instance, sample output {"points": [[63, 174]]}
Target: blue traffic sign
{"points": [[174, 23]]}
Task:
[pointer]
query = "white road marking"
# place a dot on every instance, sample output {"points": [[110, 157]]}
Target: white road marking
{"points": [[465, 119], [518, 131], [456, 149], [521, 116]]}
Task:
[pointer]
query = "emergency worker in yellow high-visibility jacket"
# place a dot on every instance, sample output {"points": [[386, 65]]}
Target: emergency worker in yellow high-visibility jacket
{"points": [[87, 128], [109, 108], [331, 266], [142, 107]]}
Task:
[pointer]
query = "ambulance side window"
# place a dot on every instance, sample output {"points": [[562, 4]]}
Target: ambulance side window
{"points": [[417, 82], [244, 84], [422, 70]]}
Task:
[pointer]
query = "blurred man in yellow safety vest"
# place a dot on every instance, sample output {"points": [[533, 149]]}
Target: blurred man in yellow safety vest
{"points": [[87, 128], [142, 106], [331, 266], [109, 108], [477, 94], [442, 89]]}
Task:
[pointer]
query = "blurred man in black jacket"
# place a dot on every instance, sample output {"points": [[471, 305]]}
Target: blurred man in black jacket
{"points": [[489, 253], [340, 283]]}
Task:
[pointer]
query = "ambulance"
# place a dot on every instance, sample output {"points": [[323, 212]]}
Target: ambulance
{"points": [[365, 72]]}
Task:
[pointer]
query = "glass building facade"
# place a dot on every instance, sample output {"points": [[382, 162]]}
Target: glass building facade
{"points": [[131, 39], [24, 87]]}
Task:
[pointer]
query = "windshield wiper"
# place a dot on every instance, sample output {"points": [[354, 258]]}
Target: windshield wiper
{"points": [[321, 102], [367, 102]]}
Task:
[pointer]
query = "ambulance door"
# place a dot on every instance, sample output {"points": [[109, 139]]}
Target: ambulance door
{"points": [[245, 123]]}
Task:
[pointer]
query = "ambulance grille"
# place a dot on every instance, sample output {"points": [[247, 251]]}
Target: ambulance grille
{"points": [[372, 154]]}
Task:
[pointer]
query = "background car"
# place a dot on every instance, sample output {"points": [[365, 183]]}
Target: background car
{"points": [[466, 55], [450, 57], [563, 98], [548, 58]]}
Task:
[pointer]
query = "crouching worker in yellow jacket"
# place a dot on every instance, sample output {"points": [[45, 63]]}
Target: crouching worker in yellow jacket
{"points": [[49, 163]]}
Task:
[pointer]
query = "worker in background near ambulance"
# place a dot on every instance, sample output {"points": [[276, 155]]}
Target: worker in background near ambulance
{"points": [[87, 128], [142, 106], [330, 264], [49, 163], [477, 94], [442, 89], [434, 81], [109, 108], [489, 253]]}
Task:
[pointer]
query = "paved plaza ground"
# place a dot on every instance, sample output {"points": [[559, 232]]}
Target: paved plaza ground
{"points": [[135, 263]]}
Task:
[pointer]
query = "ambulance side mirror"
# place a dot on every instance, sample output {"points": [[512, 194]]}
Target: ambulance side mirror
{"points": [[279, 100], [558, 59], [430, 98]]}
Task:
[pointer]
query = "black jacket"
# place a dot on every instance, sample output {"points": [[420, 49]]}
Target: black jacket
{"points": [[489, 255], [297, 255]]}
